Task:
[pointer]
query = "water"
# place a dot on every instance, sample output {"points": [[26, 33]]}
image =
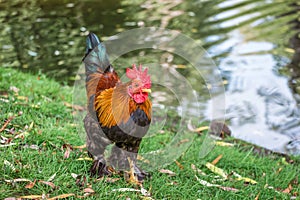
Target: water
{"points": [[258, 101], [253, 43], [260, 106]]}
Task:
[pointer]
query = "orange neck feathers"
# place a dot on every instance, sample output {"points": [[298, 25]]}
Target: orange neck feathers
{"points": [[114, 106], [98, 81]]}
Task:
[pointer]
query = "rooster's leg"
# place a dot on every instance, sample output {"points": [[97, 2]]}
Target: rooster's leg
{"points": [[122, 153], [96, 143]]}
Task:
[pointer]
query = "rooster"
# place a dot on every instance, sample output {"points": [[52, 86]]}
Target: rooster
{"points": [[118, 113]]}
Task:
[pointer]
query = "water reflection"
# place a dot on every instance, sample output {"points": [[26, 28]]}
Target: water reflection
{"points": [[47, 36], [248, 39], [260, 106]]}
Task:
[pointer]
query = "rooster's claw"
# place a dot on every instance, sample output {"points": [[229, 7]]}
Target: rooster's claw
{"points": [[141, 174], [99, 168]]}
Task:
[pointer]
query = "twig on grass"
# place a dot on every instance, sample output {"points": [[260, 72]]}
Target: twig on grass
{"points": [[6, 123]]}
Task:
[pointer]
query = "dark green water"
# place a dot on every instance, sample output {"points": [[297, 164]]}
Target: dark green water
{"points": [[48, 36]]}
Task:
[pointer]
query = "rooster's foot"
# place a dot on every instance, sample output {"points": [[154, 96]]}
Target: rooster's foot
{"points": [[100, 169], [140, 174]]}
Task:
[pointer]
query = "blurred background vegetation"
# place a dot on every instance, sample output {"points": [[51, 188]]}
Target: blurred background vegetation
{"points": [[48, 36]]}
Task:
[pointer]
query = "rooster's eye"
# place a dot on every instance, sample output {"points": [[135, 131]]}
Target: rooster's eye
{"points": [[136, 85]]}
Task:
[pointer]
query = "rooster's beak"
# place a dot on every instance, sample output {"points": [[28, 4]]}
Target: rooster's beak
{"points": [[146, 90]]}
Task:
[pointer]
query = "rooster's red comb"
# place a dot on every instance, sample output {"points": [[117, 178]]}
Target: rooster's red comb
{"points": [[135, 73]]}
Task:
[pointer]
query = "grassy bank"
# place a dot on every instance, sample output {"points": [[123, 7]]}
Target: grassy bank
{"points": [[41, 154]]}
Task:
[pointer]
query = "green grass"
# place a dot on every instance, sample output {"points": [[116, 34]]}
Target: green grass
{"points": [[48, 124]]}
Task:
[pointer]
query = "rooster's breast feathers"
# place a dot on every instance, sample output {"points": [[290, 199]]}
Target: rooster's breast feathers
{"points": [[115, 107]]}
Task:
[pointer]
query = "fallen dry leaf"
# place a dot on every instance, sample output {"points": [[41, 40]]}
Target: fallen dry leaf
{"points": [[12, 198], [257, 196], [85, 158], [23, 98], [68, 148], [125, 190], [208, 184], [67, 153], [245, 179], [203, 128], [30, 126], [216, 170], [48, 183], [33, 146], [193, 129], [74, 175], [279, 170], [11, 166], [6, 123], [182, 141], [31, 197], [14, 89], [80, 147], [62, 196], [229, 189], [215, 161], [197, 170], [288, 189], [22, 135], [88, 190], [52, 177], [75, 107], [7, 145], [166, 171], [145, 192], [4, 100], [146, 198], [179, 165], [18, 180], [205, 183], [223, 144], [30, 184]]}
